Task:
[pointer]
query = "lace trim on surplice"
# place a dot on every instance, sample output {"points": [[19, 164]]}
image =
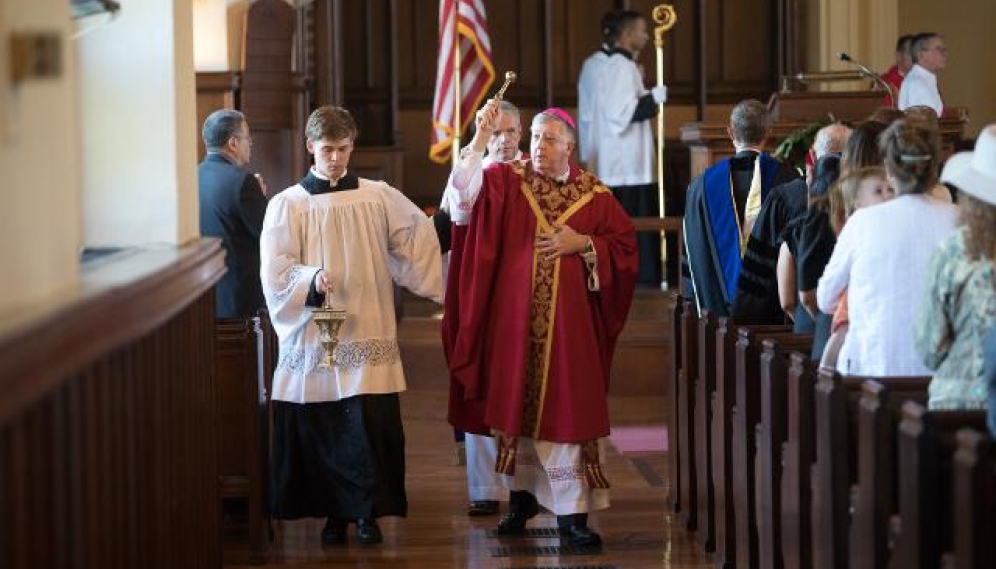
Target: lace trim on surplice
{"points": [[348, 355], [291, 279]]}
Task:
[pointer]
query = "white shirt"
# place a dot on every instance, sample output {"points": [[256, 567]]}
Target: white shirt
{"points": [[625, 150], [366, 239], [920, 88], [880, 259], [464, 184], [589, 85]]}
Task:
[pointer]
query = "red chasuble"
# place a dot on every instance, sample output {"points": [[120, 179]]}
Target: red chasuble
{"points": [[528, 345]]}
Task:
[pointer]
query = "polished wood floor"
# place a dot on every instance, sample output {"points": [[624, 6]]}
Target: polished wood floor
{"points": [[437, 534]]}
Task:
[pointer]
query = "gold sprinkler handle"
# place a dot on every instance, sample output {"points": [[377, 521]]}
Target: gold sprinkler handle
{"points": [[510, 78]]}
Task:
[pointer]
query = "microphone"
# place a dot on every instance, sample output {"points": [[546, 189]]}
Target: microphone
{"points": [[843, 56]]}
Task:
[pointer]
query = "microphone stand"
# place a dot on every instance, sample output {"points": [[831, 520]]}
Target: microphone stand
{"points": [[871, 75]]}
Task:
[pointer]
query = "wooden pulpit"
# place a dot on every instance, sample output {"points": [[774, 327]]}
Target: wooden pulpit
{"points": [[808, 106]]}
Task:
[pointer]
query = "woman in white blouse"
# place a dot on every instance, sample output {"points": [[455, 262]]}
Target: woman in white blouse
{"points": [[881, 256]]}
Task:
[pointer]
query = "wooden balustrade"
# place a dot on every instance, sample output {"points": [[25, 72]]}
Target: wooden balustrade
{"points": [[108, 424]]}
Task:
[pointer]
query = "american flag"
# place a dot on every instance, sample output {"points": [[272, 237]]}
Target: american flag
{"points": [[463, 23]]}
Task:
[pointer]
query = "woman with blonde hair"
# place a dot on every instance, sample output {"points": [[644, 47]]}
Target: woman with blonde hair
{"points": [[881, 256], [959, 301]]}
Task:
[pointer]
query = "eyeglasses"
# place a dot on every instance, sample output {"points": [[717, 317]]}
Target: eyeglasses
{"points": [[246, 137], [938, 48]]}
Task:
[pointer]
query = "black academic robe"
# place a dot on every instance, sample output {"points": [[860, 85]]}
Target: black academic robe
{"points": [[757, 299]]}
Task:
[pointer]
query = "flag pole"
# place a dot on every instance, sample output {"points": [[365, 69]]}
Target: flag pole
{"points": [[455, 150], [665, 17]]}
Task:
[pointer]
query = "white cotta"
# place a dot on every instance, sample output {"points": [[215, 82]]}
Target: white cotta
{"points": [[366, 239], [625, 148]]}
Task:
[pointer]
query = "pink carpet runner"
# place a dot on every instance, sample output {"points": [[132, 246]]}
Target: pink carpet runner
{"points": [[643, 438]]}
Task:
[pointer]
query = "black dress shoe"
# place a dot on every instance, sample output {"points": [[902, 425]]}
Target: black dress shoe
{"points": [[579, 536], [368, 532], [514, 523], [334, 532], [482, 508]]}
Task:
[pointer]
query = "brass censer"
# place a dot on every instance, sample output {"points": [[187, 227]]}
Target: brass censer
{"points": [[329, 321]]}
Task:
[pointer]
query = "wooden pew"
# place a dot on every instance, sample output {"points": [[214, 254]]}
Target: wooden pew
{"points": [[974, 508], [873, 498], [798, 455], [672, 322], [723, 403], [705, 385], [770, 432], [836, 400], [921, 532], [686, 407], [745, 415], [243, 352], [721, 431]]}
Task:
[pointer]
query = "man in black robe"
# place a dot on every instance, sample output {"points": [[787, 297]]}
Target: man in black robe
{"points": [[757, 299]]}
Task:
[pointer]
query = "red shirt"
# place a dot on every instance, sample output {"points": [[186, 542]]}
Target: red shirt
{"points": [[895, 80]]}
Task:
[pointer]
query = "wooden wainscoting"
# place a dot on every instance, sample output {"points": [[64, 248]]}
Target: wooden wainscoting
{"points": [[108, 421]]}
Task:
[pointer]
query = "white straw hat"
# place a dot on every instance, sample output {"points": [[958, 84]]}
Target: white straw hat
{"points": [[975, 172]]}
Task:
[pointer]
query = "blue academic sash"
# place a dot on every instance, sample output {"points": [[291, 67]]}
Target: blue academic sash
{"points": [[724, 222]]}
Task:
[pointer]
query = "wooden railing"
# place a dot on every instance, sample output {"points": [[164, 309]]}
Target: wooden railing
{"points": [[672, 228], [108, 423]]}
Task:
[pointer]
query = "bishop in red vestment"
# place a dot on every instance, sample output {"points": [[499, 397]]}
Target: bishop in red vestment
{"points": [[542, 272]]}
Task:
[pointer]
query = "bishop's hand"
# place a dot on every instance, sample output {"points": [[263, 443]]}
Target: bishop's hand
{"points": [[560, 242]]}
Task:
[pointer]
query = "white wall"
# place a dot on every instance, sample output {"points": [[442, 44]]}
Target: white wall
{"points": [[137, 93], [211, 35], [39, 142], [867, 31]]}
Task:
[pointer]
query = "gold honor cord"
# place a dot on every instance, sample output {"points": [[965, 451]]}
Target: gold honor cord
{"points": [[665, 17]]}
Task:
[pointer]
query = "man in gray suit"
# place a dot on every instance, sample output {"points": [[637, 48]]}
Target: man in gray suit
{"points": [[232, 204]]}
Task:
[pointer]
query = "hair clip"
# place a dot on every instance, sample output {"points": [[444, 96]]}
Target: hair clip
{"points": [[906, 158]]}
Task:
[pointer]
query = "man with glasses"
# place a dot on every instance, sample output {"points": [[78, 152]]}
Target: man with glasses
{"points": [[920, 85], [232, 204], [541, 279]]}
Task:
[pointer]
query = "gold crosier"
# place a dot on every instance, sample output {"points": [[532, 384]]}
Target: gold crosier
{"points": [[665, 17]]}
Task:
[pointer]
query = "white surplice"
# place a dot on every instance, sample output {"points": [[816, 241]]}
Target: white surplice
{"points": [[366, 239]]}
